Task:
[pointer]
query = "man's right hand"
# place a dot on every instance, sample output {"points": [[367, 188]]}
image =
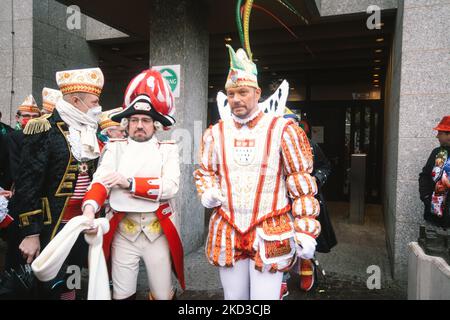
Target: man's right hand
{"points": [[30, 248], [89, 212], [6, 193], [212, 198]]}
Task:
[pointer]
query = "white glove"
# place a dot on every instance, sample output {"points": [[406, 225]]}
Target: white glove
{"points": [[306, 247], [212, 198]]}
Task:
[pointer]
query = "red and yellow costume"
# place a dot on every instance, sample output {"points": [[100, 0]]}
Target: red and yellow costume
{"points": [[258, 168]]}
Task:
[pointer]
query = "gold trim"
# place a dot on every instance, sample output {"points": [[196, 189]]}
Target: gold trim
{"points": [[70, 176], [46, 211], [67, 185], [23, 218], [58, 190], [60, 218], [73, 168]]}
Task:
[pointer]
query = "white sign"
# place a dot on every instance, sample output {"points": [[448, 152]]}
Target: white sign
{"points": [[172, 75], [317, 134]]}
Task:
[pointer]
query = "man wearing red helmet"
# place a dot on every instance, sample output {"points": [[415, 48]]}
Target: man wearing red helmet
{"points": [[140, 176]]}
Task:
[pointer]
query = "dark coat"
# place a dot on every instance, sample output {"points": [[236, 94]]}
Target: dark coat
{"points": [[321, 171], [426, 189], [46, 180]]}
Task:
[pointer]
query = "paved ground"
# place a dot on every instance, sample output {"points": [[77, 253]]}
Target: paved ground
{"points": [[360, 246]]}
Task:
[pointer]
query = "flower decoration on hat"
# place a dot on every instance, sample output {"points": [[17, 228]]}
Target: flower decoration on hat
{"points": [[81, 80]]}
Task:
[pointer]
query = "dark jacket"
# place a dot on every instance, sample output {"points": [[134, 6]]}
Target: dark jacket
{"points": [[46, 179], [4, 128], [426, 189], [321, 171]]}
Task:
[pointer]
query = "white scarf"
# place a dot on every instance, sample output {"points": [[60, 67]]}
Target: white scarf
{"points": [[49, 262], [83, 131]]}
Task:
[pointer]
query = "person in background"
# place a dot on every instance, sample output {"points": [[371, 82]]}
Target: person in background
{"points": [[434, 180], [327, 238], [110, 129]]}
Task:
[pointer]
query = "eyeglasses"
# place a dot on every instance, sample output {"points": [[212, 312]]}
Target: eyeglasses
{"points": [[29, 116], [144, 121]]}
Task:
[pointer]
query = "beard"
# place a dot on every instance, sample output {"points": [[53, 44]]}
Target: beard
{"points": [[141, 138]]}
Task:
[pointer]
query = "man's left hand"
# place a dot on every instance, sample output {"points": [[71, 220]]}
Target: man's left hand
{"points": [[307, 246], [115, 179]]}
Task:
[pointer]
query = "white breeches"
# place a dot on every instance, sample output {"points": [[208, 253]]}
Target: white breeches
{"points": [[244, 282], [125, 257]]}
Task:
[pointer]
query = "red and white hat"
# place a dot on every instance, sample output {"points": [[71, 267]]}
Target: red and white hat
{"points": [[148, 93]]}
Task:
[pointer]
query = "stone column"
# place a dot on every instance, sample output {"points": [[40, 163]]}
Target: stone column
{"points": [[179, 35], [420, 98], [16, 55]]}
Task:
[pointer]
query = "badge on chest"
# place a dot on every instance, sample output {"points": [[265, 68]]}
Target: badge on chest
{"points": [[244, 151]]}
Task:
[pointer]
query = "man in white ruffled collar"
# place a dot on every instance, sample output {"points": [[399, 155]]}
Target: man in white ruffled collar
{"points": [[255, 172]]}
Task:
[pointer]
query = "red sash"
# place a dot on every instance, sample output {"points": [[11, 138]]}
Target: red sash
{"points": [[176, 248]]}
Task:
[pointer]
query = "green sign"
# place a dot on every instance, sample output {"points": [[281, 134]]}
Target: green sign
{"points": [[171, 77]]}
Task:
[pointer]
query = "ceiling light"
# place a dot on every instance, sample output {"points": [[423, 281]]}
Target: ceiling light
{"points": [[255, 60], [115, 49], [228, 39], [266, 68], [377, 61], [376, 75], [379, 40], [211, 87], [376, 81], [378, 51]]}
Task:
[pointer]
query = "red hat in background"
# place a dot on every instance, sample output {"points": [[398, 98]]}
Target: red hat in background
{"points": [[148, 93], [444, 125]]}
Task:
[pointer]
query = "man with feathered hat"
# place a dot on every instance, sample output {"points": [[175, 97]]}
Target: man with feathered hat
{"points": [[252, 166], [140, 177], [60, 154]]}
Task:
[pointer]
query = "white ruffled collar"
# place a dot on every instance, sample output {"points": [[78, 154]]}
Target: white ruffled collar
{"points": [[246, 120]]}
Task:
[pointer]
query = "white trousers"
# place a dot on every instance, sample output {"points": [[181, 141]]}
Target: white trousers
{"points": [[244, 282], [125, 257]]}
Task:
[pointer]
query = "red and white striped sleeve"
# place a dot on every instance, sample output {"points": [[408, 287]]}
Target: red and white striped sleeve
{"points": [[298, 164], [206, 177]]}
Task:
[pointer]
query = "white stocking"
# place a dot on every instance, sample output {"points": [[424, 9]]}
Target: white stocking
{"points": [[244, 282]]}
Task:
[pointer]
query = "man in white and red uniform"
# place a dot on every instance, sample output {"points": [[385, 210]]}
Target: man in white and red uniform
{"points": [[140, 175], [251, 164]]}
